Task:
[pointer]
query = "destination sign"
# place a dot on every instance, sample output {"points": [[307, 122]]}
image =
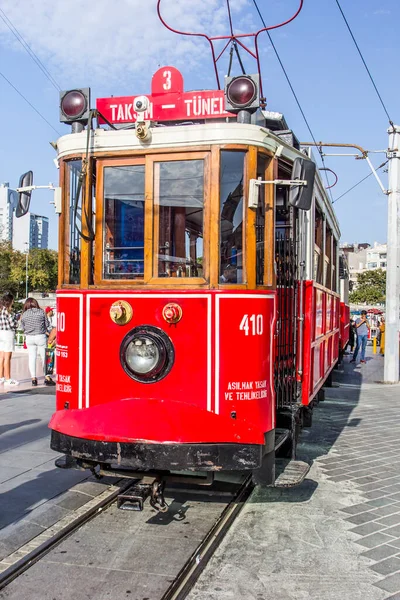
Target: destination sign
{"points": [[167, 102]]}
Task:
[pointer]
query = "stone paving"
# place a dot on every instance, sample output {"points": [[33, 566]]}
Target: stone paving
{"points": [[336, 536], [34, 494], [20, 372]]}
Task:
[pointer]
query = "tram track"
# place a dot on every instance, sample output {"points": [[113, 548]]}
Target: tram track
{"points": [[182, 581], [31, 552], [192, 570]]}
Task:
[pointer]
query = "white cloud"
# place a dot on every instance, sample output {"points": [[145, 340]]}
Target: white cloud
{"points": [[107, 42]]}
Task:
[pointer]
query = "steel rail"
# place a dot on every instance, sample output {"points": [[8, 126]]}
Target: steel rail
{"points": [[22, 565], [192, 570]]}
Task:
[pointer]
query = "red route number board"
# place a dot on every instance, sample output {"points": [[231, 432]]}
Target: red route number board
{"points": [[168, 102]]}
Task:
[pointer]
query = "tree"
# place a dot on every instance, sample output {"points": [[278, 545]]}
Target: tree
{"points": [[371, 287], [7, 282], [42, 270]]}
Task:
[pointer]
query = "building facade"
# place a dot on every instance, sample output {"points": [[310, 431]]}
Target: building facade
{"points": [[30, 230], [377, 257], [364, 257], [8, 203]]}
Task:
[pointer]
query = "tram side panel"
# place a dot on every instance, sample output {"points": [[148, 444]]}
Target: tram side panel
{"points": [[320, 338], [344, 325]]}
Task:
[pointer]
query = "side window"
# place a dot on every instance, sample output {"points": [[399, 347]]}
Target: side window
{"points": [[334, 270], [318, 247], [73, 249], [231, 233], [262, 163], [328, 257], [179, 218], [123, 226]]}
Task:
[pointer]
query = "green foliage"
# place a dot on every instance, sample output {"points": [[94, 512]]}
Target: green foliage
{"points": [[42, 270], [6, 281], [371, 287]]}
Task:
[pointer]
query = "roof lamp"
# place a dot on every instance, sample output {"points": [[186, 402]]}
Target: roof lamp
{"points": [[241, 91], [75, 105]]}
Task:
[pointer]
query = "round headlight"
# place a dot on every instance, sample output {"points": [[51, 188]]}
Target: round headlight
{"points": [[147, 354], [142, 354]]}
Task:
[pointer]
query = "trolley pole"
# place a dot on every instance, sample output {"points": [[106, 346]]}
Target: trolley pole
{"points": [[391, 366]]}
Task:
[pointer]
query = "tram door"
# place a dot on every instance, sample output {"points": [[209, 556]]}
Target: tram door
{"points": [[286, 262]]}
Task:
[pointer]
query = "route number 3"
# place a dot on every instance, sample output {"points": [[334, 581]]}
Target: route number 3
{"points": [[253, 325], [167, 85]]}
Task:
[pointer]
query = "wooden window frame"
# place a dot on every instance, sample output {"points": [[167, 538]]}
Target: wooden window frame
{"points": [[101, 164], [151, 232], [212, 161], [64, 226], [152, 264], [249, 167]]}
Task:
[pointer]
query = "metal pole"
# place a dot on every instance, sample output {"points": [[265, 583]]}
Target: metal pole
{"points": [[391, 367], [26, 271]]}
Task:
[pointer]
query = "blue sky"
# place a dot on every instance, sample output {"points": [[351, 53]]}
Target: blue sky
{"points": [[116, 48]]}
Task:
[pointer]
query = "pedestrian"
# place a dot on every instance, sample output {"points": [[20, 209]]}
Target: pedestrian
{"points": [[50, 315], [352, 336], [362, 327], [8, 327], [382, 336], [36, 325]]}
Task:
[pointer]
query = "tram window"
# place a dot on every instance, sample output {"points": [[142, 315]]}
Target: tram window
{"points": [[328, 257], [179, 210], [334, 270], [262, 163], [73, 250], [231, 233], [123, 253], [318, 247]]}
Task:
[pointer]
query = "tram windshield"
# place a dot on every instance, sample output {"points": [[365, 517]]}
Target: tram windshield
{"points": [[124, 222], [179, 218]]}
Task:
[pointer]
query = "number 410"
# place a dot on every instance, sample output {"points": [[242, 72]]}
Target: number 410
{"points": [[253, 325]]}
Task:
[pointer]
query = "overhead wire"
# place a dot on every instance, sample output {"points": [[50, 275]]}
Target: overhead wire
{"points": [[30, 104], [294, 95], [361, 180], [28, 49], [364, 63]]}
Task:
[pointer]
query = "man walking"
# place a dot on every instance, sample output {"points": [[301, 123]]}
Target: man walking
{"points": [[362, 326]]}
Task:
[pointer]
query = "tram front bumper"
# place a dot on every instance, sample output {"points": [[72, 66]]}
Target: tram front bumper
{"points": [[153, 434]]}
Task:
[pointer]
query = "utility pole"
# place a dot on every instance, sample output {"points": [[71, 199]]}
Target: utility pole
{"points": [[26, 270], [391, 366]]}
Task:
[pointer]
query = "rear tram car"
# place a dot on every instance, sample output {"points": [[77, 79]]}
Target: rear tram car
{"points": [[198, 303]]}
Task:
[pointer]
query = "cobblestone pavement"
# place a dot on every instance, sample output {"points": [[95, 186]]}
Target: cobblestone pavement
{"points": [[34, 494], [336, 536]]}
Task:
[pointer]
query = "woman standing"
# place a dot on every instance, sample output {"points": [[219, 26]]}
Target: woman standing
{"points": [[36, 325], [8, 327]]}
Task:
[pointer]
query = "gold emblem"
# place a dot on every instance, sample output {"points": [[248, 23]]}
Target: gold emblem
{"points": [[121, 312]]}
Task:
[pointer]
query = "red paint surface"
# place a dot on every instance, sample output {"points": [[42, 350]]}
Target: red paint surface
{"points": [[181, 407], [168, 102], [320, 338], [344, 324], [246, 328]]}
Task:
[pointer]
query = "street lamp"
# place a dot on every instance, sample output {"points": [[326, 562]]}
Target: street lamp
{"points": [[26, 269]]}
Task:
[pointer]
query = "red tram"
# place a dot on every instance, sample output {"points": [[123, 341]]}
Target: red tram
{"points": [[198, 303]]}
